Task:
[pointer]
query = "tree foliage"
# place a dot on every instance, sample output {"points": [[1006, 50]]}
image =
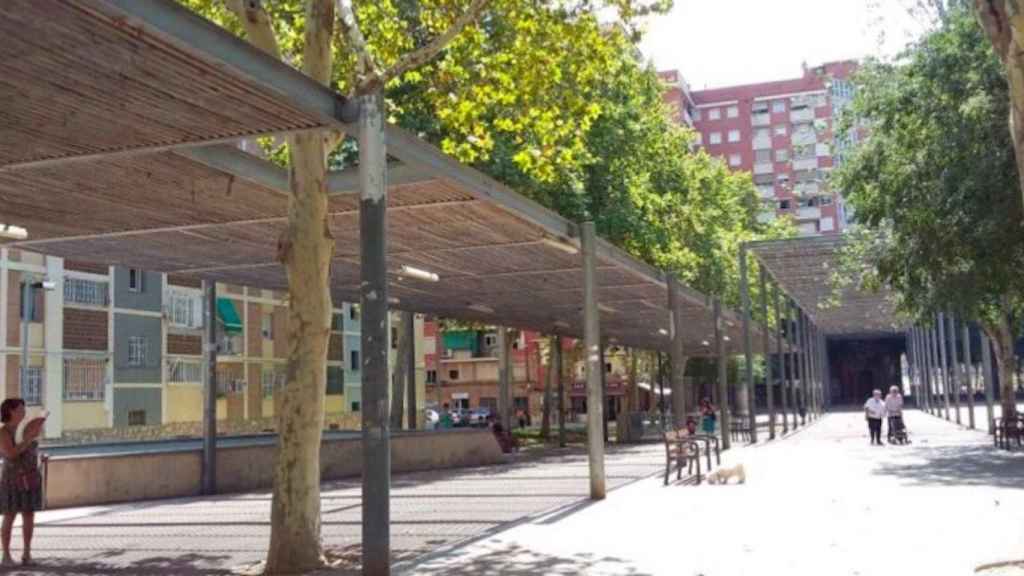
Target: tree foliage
{"points": [[933, 182]]}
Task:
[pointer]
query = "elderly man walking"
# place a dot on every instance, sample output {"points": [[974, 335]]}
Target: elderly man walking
{"points": [[894, 410], [874, 411]]}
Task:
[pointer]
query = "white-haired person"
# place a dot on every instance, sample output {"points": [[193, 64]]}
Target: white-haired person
{"points": [[894, 410], [874, 412]]}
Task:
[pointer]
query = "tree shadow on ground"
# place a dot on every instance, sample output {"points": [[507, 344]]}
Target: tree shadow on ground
{"points": [[972, 465], [514, 560], [190, 563]]}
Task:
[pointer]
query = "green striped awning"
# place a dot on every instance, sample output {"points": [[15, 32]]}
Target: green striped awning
{"points": [[228, 315]]}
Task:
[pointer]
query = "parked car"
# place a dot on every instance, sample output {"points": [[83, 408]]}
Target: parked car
{"points": [[479, 417]]}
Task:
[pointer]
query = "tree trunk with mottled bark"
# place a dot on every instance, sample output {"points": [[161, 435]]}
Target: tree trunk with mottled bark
{"points": [[400, 372], [1003, 340]]}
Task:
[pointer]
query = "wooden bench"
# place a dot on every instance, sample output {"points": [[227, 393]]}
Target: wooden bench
{"points": [[681, 450], [1007, 430]]}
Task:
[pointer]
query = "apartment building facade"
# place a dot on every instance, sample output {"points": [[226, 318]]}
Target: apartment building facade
{"points": [[112, 350], [783, 133]]}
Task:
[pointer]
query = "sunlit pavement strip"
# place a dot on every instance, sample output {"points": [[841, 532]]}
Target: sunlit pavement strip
{"points": [[822, 502]]}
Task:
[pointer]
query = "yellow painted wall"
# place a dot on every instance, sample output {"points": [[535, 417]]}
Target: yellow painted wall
{"points": [[81, 415], [268, 407], [184, 403], [334, 403], [222, 408]]}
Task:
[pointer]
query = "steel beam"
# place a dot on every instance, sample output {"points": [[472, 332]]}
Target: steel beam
{"points": [[943, 361], [968, 374], [953, 366], [785, 360], [593, 367], [986, 361], [373, 240], [409, 326], [769, 377]]}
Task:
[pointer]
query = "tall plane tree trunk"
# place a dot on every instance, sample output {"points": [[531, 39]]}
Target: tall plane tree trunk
{"points": [[305, 249], [545, 422], [1003, 21], [400, 372], [1003, 339]]}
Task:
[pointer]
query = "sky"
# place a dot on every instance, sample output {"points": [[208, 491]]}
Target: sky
{"points": [[717, 43]]}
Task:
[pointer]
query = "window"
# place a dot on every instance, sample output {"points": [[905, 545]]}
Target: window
{"points": [[762, 133], [271, 379], [79, 291], [394, 338], [37, 305], [780, 130], [825, 201], [431, 376], [762, 156], [696, 114], [735, 160], [732, 112], [779, 106], [759, 107], [353, 312], [826, 225], [714, 114], [335, 381], [135, 280], [781, 155], [337, 323], [453, 374], [608, 367], [715, 137], [137, 350], [267, 326], [784, 204], [32, 388], [229, 381], [84, 379], [136, 417], [764, 179], [355, 406], [490, 340], [782, 179], [354, 360], [184, 310], [734, 135], [185, 372]]}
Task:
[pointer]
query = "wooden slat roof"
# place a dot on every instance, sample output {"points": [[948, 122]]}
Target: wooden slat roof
{"points": [[127, 191], [803, 269]]}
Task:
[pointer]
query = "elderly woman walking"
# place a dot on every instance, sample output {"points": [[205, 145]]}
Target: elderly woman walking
{"points": [[21, 486], [874, 411]]}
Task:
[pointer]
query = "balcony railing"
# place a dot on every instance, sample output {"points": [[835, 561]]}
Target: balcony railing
{"points": [[766, 191], [762, 142], [764, 168], [801, 115], [805, 164], [804, 137], [808, 212], [761, 119]]}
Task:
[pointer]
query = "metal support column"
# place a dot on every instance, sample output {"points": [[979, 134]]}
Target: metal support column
{"points": [[604, 394], [409, 326], [723, 384], [801, 375], [787, 365], [933, 368], [954, 366], [375, 401], [677, 353], [943, 361], [209, 387], [748, 347], [769, 378], [987, 368], [968, 374], [504, 382], [592, 343], [556, 359]]}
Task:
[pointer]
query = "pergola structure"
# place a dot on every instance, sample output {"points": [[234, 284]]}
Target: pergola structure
{"points": [[115, 135]]}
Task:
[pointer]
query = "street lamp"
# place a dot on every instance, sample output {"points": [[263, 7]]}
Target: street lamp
{"points": [[28, 287]]}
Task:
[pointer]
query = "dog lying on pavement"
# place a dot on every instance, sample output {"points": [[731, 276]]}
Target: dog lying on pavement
{"points": [[722, 475]]}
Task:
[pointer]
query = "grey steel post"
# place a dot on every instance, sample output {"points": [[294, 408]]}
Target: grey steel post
{"points": [[943, 361], [375, 393], [968, 374], [556, 358], [954, 366], [677, 353], [813, 337], [783, 360], [827, 381], [808, 375], [504, 382], [409, 325], [604, 395], [210, 387], [27, 311], [986, 361], [798, 373], [748, 346], [769, 379], [723, 384], [926, 367], [933, 373], [592, 342]]}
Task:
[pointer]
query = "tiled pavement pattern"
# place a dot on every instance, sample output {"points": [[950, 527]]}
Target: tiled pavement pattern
{"points": [[216, 535]]}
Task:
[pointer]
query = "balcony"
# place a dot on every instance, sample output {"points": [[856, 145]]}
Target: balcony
{"points": [[762, 142], [805, 164], [766, 217], [231, 345], [804, 137], [808, 213], [822, 149], [807, 189], [764, 168], [799, 115], [766, 191], [760, 119]]}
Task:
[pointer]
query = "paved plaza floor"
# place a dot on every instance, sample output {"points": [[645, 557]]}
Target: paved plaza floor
{"points": [[819, 502]]}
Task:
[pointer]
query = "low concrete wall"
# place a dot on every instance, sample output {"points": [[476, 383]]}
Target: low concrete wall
{"points": [[110, 478]]}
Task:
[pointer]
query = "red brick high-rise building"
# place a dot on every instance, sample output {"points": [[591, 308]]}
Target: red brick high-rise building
{"points": [[782, 132]]}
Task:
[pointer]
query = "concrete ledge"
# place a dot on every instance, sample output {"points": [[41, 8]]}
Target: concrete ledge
{"points": [[109, 478]]}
